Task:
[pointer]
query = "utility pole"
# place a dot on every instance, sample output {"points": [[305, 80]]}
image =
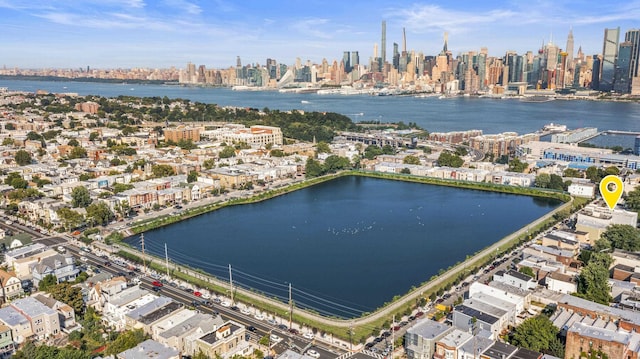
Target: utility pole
{"points": [[393, 334], [231, 284], [290, 307], [144, 262], [350, 337], [166, 259]]}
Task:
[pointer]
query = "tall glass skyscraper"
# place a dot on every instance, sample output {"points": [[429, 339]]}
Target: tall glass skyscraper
{"points": [[622, 82], [633, 36], [609, 56]]}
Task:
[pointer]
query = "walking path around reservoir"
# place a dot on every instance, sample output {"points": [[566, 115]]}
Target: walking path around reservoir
{"points": [[382, 313]]}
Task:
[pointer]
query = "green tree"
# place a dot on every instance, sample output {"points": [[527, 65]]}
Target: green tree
{"points": [[335, 163], [80, 197], [450, 160], [73, 142], [593, 283], [542, 180], [209, 163], [572, 172], [388, 150], [323, 147], [536, 333], [517, 166], [77, 152], [47, 282], [160, 171], [22, 158], [100, 213], [121, 187], [622, 236], [70, 218], [227, 152], [555, 182], [461, 151], [594, 174], [93, 136], [612, 170], [192, 176], [632, 200], [276, 152], [33, 136], [411, 160], [67, 293], [405, 171], [527, 271], [371, 151], [126, 340], [8, 141], [87, 176], [313, 168]]}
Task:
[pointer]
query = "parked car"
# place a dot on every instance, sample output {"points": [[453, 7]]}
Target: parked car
{"points": [[156, 283], [312, 353]]}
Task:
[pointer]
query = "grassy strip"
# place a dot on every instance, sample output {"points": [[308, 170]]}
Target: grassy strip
{"points": [[483, 186]]}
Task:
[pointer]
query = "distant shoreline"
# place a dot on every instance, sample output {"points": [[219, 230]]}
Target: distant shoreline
{"points": [[82, 79], [606, 97]]}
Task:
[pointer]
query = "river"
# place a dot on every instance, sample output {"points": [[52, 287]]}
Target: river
{"points": [[431, 113]]}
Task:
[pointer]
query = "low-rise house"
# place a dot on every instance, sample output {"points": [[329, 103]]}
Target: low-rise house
{"points": [[559, 241], [101, 292], [515, 279], [150, 349], [63, 266], [114, 311], [582, 189], [18, 324], [420, 340], [170, 321], [7, 345], [630, 259], [11, 256], [44, 320], [594, 340], [176, 335], [469, 319], [521, 298], [147, 321], [66, 314], [472, 348], [499, 350], [561, 283], [226, 341], [626, 320], [11, 285], [450, 344]]}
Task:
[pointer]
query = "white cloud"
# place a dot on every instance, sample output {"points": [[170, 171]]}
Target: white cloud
{"points": [[311, 27]]}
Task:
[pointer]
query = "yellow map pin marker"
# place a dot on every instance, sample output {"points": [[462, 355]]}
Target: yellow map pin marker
{"points": [[611, 196]]}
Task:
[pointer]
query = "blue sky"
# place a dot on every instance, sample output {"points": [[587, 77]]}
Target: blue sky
{"points": [[164, 33]]}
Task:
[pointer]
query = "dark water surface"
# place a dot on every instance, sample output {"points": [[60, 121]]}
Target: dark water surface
{"points": [[348, 245]]}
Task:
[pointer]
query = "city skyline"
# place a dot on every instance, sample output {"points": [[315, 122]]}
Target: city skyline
{"points": [[135, 33]]}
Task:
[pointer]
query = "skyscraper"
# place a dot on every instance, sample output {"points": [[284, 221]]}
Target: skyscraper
{"points": [[346, 59], [633, 36], [569, 63], [355, 59], [383, 44], [622, 82], [396, 56], [609, 56], [569, 49]]}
